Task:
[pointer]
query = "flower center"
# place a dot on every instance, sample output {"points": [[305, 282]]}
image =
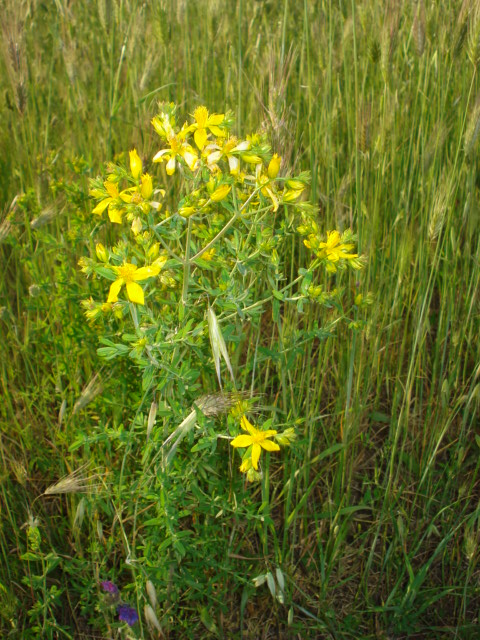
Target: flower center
{"points": [[230, 144], [127, 272], [258, 437], [136, 198]]}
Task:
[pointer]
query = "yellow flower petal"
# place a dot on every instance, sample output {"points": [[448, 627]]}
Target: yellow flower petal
{"points": [[242, 441], [114, 290], [101, 206], [96, 193], [214, 157], [135, 293], [200, 136], [115, 215], [256, 450], [171, 166], [269, 433], [216, 131], [190, 158], [234, 164], [273, 198], [246, 425], [146, 272], [268, 445], [111, 188], [216, 118], [158, 157]]}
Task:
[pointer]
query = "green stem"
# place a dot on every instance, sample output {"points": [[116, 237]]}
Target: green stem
{"points": [[186, 264]]}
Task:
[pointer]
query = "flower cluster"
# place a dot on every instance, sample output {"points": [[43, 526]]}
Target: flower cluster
{"points": [[334, 251], [125, 612], [225, 179]]}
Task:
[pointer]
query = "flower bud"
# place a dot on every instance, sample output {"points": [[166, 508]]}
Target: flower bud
{"points": [[135, 164], [147, 186], [186, 212], [286, 437], [274, 166], [160, 262], [251, 158], [221, 192], [136, 226], [296, 185], [101, 252], [152, 253], [290, 196]]}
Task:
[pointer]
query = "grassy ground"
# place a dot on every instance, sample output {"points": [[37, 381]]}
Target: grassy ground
{"points": [[373, 518]]}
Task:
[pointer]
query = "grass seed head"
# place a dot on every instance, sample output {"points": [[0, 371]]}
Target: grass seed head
{"points": [[74, 482]]}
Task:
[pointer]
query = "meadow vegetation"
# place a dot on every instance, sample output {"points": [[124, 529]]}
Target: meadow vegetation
{"points": [[366, 522]]}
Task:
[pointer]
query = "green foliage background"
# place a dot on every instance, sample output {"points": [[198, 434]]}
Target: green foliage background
{"points": [[373, 517]]}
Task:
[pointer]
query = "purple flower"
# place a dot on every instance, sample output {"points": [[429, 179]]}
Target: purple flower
{"points": [[127, 614], [109, 587]]}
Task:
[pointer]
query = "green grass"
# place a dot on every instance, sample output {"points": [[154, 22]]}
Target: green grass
{"points": [[373, 517]]}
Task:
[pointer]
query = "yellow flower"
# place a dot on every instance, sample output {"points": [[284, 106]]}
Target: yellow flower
{"points": [[334, 250], [257, 439], [204, 123], [178, 148], [135, 163], [230, 150], [128, 274], [111, 202], [274, 166], [209, 254]]}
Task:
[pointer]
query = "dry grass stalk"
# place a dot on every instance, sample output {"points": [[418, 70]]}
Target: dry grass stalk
{"points": [[473, 127], [439, 209], [6, 226], [14, 51], [89, 393], [74, 482], [473, 40], [419, 28], [364, 121], [47, 215], [279, 121], [434, 144], [388, 40]]}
